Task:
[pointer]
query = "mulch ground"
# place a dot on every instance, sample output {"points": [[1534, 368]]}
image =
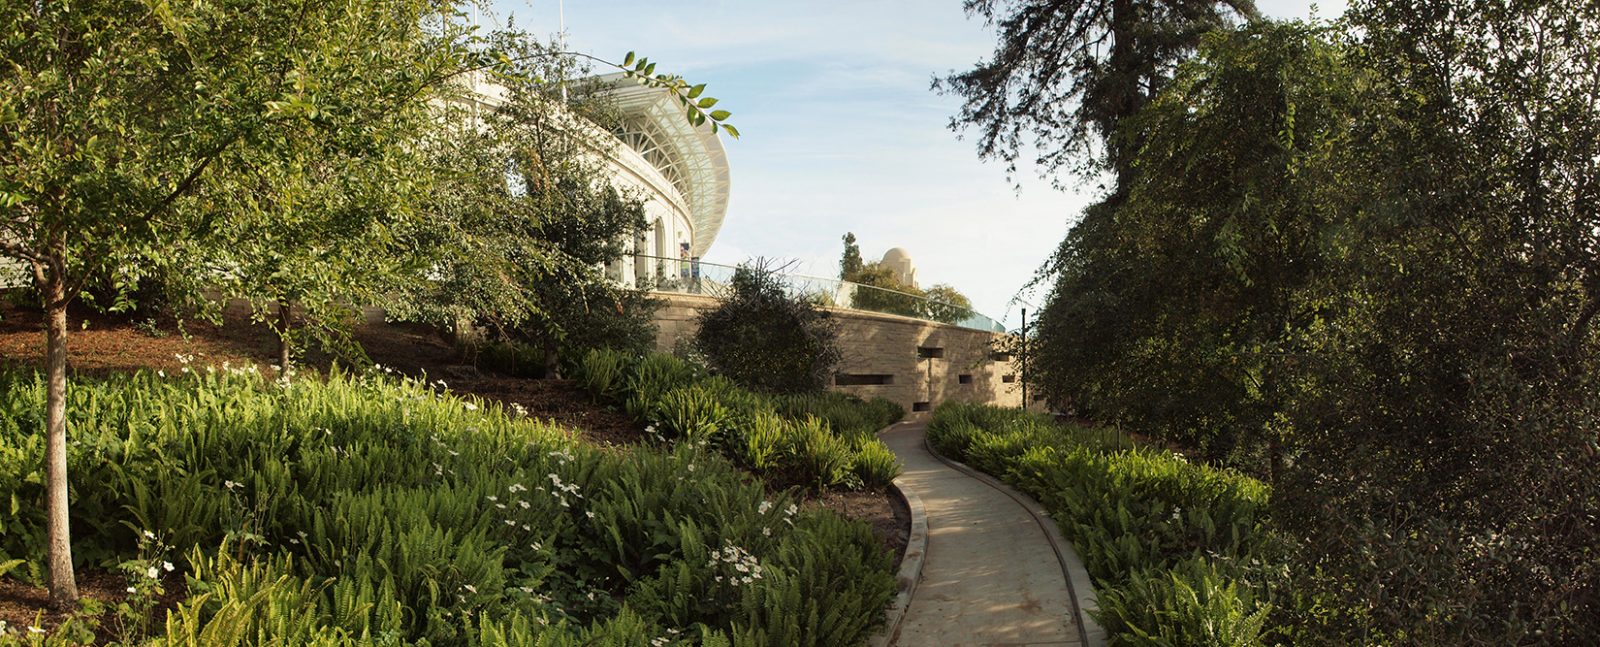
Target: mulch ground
{"points": [[100, 344]]}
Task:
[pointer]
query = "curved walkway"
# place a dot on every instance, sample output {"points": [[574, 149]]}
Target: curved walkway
{"points": [[991, 576]]}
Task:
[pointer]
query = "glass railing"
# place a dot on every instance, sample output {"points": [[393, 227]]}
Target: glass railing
{"points": [[680, 276]]}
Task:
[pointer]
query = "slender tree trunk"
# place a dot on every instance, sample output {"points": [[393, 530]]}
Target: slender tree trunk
{"points": [[552, 361], [283, 338], [63, 583]]}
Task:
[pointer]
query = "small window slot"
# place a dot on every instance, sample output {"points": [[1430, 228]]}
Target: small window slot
{"points": [[860, 379]]}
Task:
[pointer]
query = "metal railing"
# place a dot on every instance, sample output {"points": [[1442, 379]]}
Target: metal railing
{"points": [[679, 276]]}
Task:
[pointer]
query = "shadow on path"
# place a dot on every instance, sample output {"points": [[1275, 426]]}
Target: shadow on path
{"points": [[991, 575]]}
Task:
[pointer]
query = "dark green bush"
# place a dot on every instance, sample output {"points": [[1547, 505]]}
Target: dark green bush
{"points": [[767, 339]]}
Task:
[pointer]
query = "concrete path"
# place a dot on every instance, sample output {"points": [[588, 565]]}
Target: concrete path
{"points": [[991, 577]]}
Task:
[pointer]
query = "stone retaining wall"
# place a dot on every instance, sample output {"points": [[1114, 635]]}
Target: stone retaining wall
{"points": [[914, 362]]}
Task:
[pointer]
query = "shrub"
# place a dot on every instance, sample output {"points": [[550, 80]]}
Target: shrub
{"points": [[761, 439], [1168, 543], [365, 511], [766, 339], [1191, 604], [822, 458], [813, 439], [692, 413], [874, 464], [600, 372]]}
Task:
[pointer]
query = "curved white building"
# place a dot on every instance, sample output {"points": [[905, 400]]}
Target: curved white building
{"points": [[682, 173], [678, 170]]}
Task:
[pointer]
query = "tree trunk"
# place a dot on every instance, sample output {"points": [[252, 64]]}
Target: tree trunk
{"points": [[552, 361], [63, 583], [283, 339]]}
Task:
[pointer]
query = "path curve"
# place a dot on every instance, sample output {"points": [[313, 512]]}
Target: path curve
{"points": [[991, 575]]}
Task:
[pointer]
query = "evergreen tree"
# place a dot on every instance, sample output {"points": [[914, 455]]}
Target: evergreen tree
{"points": [[850, 263]]}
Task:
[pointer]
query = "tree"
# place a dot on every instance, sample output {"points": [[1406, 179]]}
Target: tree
{"points": [[1446, 423], [878, 289], [529, 215], [1360, 261], [322, 220], [947, 304], [113, 113], [767, 339], [850, 263], [1069, 72]]}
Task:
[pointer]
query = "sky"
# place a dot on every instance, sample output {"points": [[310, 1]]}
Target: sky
{"points": [[840, 131]]}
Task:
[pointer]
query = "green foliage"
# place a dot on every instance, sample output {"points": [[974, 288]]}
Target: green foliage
{"points": [[766, 339], [1169, 544], [523, 215], [822, 458], [601, 371], [364, 511], [1055, 87], [1346, 259], [1191, 604], [697, 108], [880, 290], [817, 440], [692, 413], [874, 465]]}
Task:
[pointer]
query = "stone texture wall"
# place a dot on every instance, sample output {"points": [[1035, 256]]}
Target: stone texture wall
{"points": [[885, 348]]}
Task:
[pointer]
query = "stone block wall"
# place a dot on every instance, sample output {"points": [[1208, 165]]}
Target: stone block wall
{"points": [[913, 362]]}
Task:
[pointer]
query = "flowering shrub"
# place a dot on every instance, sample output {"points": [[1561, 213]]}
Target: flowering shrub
{"points": [[1178, 552], [361, 510]]}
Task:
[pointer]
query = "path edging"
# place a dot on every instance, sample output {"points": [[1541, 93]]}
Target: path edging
{"points": [[1079, 586], [910, 566]]}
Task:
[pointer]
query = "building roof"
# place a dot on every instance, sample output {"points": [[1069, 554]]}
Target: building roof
{"points": [[692, 158]]}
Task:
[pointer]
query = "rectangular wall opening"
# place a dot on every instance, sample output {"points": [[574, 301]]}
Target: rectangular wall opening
{"points": [[964, 379], [920, 406], [1008, 379], [862, 379], [930, 352]]}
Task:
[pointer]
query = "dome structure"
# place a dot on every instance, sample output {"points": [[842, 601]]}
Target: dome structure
{"points": [[899, 260]]}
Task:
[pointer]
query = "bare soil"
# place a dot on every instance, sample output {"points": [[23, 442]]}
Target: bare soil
{"points": [[881, 509], [101, 344]]}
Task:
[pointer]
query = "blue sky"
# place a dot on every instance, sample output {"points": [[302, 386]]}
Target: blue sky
{"points": [[840, 131]]}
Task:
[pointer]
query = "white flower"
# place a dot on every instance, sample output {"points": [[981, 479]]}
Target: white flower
{"points": [[152, 573], [523, 504], [470, 588], [470, 406], [590, 513], [35, 630], [167, 566], [764, 507], [132, 590], [149, 535]]}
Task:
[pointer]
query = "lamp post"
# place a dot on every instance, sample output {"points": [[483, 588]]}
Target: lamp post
{"points": [[1024, 353]]}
